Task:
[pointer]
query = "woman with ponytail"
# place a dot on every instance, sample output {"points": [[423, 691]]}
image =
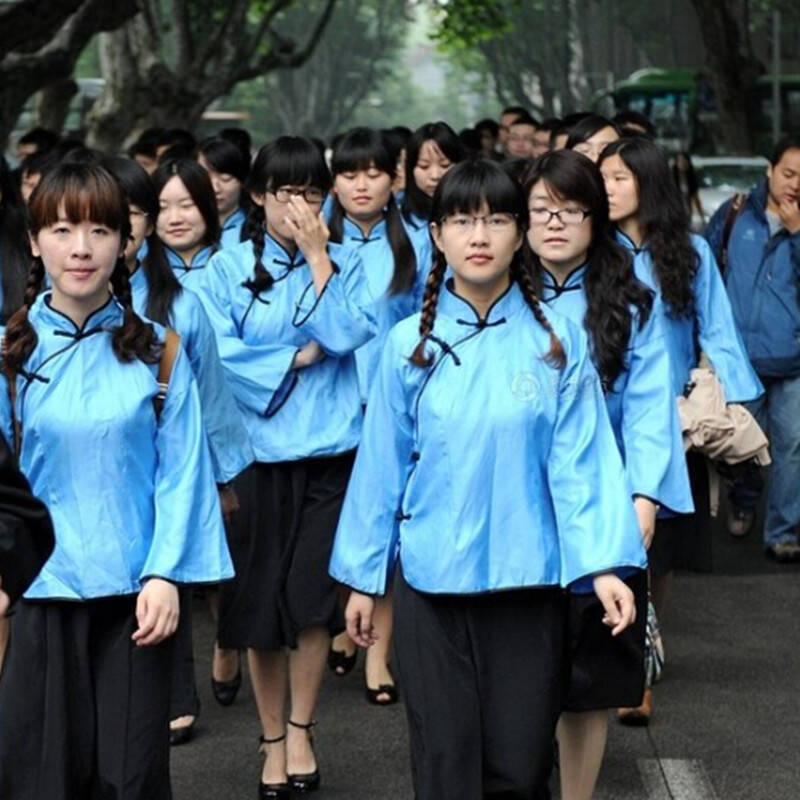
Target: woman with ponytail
{"points": [[582, 272], [160, 297], [488, 476], [289, 310], [652, 224], [110, 436], [396, 256]]}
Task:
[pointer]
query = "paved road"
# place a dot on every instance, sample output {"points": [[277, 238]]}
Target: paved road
{"points": [[726, 712]]}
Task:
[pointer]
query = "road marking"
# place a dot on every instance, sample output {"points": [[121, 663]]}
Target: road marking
{"points": [[675, 779]]}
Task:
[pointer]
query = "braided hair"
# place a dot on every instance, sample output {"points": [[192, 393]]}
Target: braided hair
{"points": [[286, 161], [83, 191], [464, 189]]}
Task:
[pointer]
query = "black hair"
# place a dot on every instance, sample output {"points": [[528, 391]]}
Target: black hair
{"points": [[176, 152], [394, 141], [790, 142], [359, 150], [525, 119], [470, 139], [162, 284], [198, 184], [177, 136], [84, 191], [587, 127], [40, 163], [550, 124], [464, 189], [15, 257], [415, 201], [285, 161], [224, 156], [518, 110], [612, 289], [241, 138], [43, 138], [319, 144], [629, 121], [147, 143], [664, 221], [516, 167], [489, 126]]}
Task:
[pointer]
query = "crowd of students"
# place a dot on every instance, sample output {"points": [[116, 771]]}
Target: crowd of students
{"points": [[416, 386]]}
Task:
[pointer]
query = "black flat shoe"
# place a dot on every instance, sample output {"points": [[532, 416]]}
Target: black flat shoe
{"points": [[339, 663], [273, 791], [225, 691], [308, 781], [181, 735]]}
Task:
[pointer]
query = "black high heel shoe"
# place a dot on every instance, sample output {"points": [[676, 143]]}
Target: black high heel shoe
{"points": [[309, 781], [273, 791], [341, 664], [225, 691]]}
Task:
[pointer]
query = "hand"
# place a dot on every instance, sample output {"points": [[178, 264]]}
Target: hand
{"points": [[157, 612], [789, 212], [308, 355], [228, 501], [617, 600], [5, 600], [358, 614], [309, 230], [646, 511]]}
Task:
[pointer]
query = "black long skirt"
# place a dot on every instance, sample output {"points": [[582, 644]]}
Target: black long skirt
{"points": [[281, 543], [482, 677], [84, 712]]}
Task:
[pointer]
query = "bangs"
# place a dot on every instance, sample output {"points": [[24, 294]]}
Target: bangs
{"points": [[82, 192], [294, 161], [225, 157], [468, 185], [362, 149]]}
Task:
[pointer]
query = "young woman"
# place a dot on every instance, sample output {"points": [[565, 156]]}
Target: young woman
{"points": [[680, 267], [227, 167], [396, 258], [158, 295], [290, 310], [581, 271], [126, 474], [432, 150], [591, 135], [188, 222], [488, 463]]}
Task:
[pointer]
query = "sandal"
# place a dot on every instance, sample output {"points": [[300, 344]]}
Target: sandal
{"points": [[272, 791], [341, 664], [309, 781]]}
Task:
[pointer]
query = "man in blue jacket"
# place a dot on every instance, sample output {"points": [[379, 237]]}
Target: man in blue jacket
{"points": [[762, 274]]}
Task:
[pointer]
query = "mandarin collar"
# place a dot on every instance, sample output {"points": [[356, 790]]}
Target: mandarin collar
{"points": [[234, 220], [573, 282], [628, 243], [463, 312], [276, 253], [109, 315], [376, 232], [199, 260]]}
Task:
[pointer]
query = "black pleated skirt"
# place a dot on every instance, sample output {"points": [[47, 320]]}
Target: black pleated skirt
{"points": [[281, 542]]}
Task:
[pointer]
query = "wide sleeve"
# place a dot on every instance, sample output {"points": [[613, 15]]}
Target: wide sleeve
{"points": [[189, 544], [365, 548], [26, 532], [597, 526], [655, 461], [229, 443], [259, 375], [339, 318], [718, 333]]}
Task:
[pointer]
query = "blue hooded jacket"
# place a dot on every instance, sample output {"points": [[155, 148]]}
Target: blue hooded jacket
{"points": [[762, 282]]}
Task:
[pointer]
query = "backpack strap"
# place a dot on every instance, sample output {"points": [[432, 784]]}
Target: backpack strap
{"points": [[734, 212], [168, 355]]}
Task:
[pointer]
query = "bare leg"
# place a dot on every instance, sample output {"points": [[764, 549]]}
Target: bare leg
{"points": [[581, 744], [376, 664], [306, 669], [268, 673], [5, 634]]}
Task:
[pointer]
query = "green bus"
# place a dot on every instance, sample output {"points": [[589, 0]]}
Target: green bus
{"points": [[681, 104]]}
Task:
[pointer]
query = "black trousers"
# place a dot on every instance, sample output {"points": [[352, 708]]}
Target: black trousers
{"points": [[184, 700], [482, 677], [83, 711]]}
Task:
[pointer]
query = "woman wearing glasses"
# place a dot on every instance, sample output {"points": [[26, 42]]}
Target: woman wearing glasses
{"points": [[581, 271], [288, 309], [488, 463]]}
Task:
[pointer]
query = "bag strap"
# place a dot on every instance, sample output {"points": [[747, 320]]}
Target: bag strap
{"points": [[734, 212], [168, 356]]}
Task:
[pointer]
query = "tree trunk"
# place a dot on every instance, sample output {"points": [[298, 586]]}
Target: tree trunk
{"points": [[52, 105], [733, 74]]}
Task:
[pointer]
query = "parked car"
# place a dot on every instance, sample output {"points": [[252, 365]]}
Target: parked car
{"points": [[721, 177]]}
